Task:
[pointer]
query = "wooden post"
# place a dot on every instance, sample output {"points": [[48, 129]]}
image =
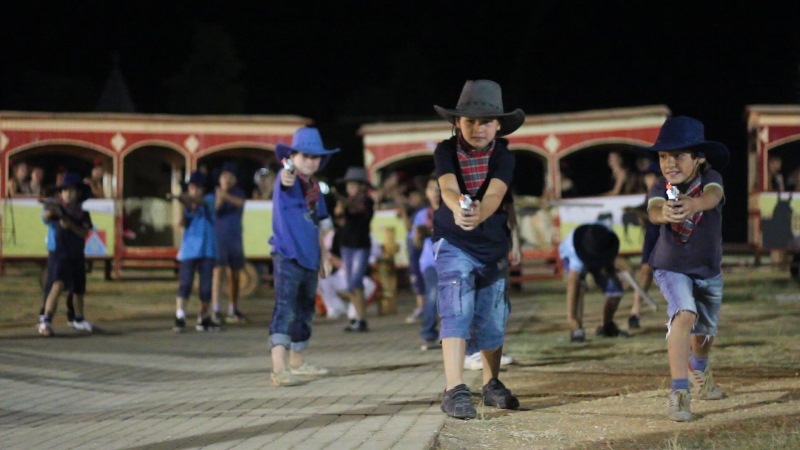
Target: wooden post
{"points": [[387, 274]]}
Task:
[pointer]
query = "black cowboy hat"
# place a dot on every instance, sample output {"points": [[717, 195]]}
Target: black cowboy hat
{"points": [[595, 244], [483, 98], [686, 133]]}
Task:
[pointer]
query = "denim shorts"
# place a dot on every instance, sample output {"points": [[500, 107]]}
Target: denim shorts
{"points": [[610, 284], [356, 263], [700, 296], [295, 292], [230, 253], [472, 297]]}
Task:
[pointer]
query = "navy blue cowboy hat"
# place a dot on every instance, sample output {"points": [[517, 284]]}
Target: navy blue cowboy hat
{"points": [[686, 133], [226, 167], [72, 179], [305, 140], [483, 98], [595, 244], [197, 177]]}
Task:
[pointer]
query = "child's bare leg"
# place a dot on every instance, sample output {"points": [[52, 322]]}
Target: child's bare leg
{"points": [[645, 278], [491, 363], [358, 302], [453, 354], [51, 304], [610, 307], [234, 275], [574, 303], [296, 359], [420, 301], [679, 344], [216, 279], [278, 354], [701, 345], [180, 304]]}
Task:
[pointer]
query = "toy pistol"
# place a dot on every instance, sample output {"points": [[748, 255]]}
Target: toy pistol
{"points": [[288, 164], [465, 201], [672, 192]]}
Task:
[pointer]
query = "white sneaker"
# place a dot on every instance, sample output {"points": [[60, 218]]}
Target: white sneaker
{"points": [[284, 378], [83, 325], [475, 361], [307, 370], [45, 329], [414, 316]]}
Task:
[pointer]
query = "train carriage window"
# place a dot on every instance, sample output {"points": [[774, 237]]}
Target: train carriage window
{"points": [[530, 171], [783, 167], [249, 163], [42, 167], [591, 174]]}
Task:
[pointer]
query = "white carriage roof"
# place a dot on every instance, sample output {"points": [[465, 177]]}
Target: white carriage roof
{"points": [[772, 115]]}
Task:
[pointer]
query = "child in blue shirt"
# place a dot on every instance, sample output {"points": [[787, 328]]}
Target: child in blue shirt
{"points": [[68, 225], [197, 253], [229, 206], [687, 257], [299, 222]]}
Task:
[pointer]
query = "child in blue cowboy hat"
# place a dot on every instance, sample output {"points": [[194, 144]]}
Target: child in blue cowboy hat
{"points": [[472, 242], [688, 253], [299, 222], [69, 225], [197, 253], [357, 208], [229, 206]]}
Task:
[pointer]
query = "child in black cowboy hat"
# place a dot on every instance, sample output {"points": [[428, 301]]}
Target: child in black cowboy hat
{"points": [[687, 203], [471, 241], [357, 208], [68, 226], [591, 248]]}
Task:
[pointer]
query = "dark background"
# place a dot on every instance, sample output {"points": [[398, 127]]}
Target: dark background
{"points": [[348, 63]]}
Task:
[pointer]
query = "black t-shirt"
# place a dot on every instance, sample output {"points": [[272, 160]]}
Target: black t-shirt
{"points": [[488, 242], [355, 232], [68, 244]]}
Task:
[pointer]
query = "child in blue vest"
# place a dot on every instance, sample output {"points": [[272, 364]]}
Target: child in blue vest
{"points": [[471, 241], [68, 226], [687, 257], [299, 222], [197, 253], [229, 207]]}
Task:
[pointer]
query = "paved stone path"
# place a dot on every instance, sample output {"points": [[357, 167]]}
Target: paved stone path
{"points": [[140, 386]]}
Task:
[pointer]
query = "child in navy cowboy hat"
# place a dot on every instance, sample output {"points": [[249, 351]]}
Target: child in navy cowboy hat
{"points": [[687, 256], [357, 208], [299, 222], [69, 225], [472, 242], [591, 248], [197, 253]]}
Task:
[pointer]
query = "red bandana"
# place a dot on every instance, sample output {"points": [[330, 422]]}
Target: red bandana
{"points": [[683, 231], [474, 163], [311, 190]]}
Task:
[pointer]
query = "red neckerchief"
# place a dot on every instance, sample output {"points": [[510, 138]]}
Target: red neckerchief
{"points": [[683, 231], [310, 190], [474, 163]]}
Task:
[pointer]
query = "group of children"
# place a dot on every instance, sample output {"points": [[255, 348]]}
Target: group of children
{"points": [[464, 241]]}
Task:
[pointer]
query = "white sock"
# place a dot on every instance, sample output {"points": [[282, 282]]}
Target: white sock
{"points": [[180, 314]]}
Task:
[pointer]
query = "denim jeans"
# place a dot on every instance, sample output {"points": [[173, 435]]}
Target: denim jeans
{"points": [[430, 317], [205, 269], [700, 296], [295, 290], [356, 263], [416, 276], [472, 300]]}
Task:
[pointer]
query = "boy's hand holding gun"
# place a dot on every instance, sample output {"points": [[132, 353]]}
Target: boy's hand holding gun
{"points": [[288, 175], [469, 216], [673, 210]]}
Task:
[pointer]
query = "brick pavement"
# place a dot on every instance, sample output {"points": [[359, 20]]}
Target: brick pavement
{"points": [[138, 385]]}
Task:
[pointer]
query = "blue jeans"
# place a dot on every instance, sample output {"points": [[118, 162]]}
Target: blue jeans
{"points": [[685, 293], [472, 298], [416, 276], [205, 269], [295, 289], [429, 314], [356, 263]]}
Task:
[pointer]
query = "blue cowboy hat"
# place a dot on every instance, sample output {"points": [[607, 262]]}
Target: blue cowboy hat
{"points": [[305, 140], [483, 98], [226, 167], [686, 133], [197, 177], [72, 179]]}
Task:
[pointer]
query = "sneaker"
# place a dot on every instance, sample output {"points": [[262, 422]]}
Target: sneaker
{"points": [[307, 370], [45, 328], [431, 345], [633, 323], [415, 316], [457, 403], [82, 325], [217, 318], [610, 330], [206, 324], [704, 382], [475, 361], [359, 325], [496, 394], [578, 335], [285, 378], [236, 317], [180, 325], [680, 405]]}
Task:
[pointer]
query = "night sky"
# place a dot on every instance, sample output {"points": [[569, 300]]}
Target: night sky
{"points": [[348, 63]]}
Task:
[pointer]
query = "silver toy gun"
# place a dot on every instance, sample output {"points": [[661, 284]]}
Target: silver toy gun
{"points": [[465, 201], [672, 192], [288, 165]]}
